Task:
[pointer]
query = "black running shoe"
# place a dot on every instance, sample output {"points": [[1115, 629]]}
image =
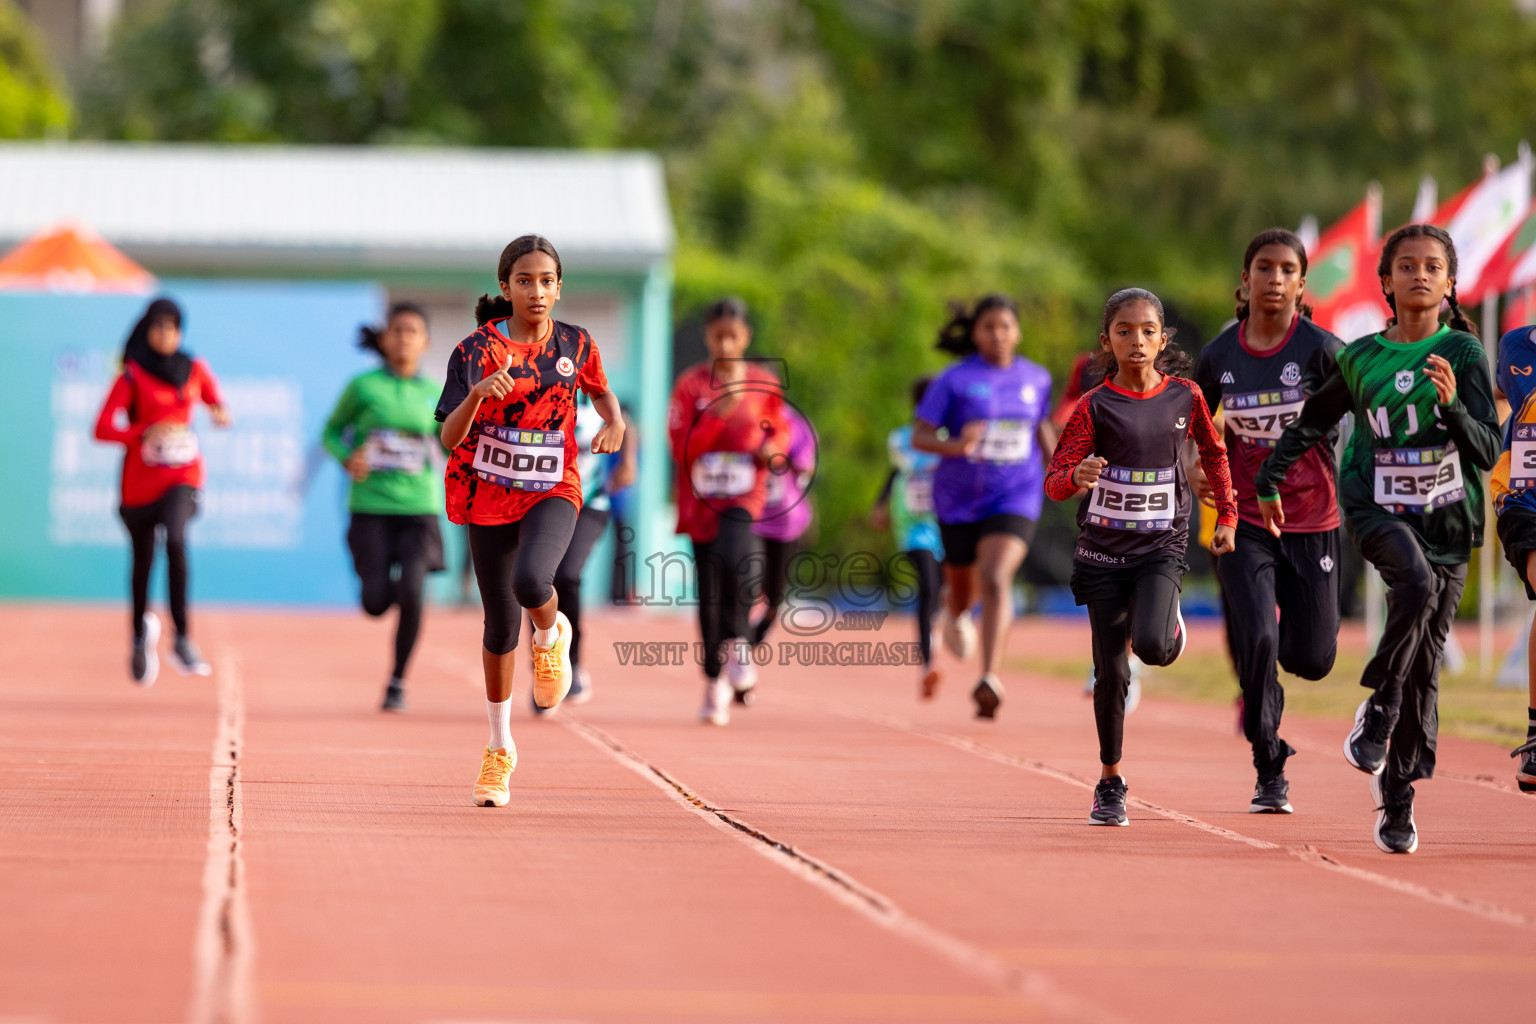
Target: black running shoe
{"points": [[1271, 796], [144, 664], [988, 696], [1109, 802], [1525, 771], [189, 660], [1366, 745], [394, 696], [1395, 831]]}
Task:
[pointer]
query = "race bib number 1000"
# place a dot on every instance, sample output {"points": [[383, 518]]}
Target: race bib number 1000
{"points": [[523, 460], [1522, 457], [1418, 480], [1259, 417], [1133, 499]]}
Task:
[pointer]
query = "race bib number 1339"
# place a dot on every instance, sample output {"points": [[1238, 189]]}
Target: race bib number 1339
{"points": [[1418, 480]]}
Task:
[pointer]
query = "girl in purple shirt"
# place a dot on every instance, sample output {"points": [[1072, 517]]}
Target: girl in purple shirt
{"points": [[994, 410]]}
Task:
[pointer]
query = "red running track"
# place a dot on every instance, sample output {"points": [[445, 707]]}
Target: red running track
{"points": [[265, 846]]}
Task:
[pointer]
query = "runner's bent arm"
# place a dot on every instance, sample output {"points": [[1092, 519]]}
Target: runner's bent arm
{"points": [[611, 437], [1471, 418], [333, 436], [1213, 460], [1074, 445], [1319, 415], [118, 400]]}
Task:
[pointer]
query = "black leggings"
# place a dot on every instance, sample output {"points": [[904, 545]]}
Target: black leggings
{"points": [[172, 511], [775, 577], [1405, 671], [930, 581], [724, 566], [379, 543], [515, 566], [590, 525], [1148, 619]]}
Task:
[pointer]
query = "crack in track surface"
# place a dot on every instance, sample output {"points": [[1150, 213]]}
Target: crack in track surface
{"points": [[1030, 986], [1306, 854], [222, 949]]}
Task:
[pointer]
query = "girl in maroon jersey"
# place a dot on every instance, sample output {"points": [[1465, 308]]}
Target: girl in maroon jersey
{"points": [[1123, 445], [149, 411], [508, 411]]}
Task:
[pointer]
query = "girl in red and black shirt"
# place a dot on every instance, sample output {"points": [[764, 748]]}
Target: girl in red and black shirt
{"points": [[1124, 444], [149, 411], [508, 411], [726, 427]]}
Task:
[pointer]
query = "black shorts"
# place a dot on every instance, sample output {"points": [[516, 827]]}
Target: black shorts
{"points": [[960, 539], [1517, 532], [379, 541], [1116, 582]]}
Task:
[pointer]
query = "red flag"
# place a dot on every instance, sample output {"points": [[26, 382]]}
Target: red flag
{"points": [[1520, 308], [1342, 285], [1514, 265], [1482, 218]]}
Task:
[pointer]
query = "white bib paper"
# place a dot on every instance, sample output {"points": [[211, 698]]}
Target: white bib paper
{"points": [[392, 451], [1259, 417], [1006, 441], [1522, 457], [1418, 479], [724, 474], [917, 494], [170, 448], [1134, 499], [523, 460]]}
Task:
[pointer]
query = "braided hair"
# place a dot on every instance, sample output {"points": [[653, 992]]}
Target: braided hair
{"points": [[1459, 320], [1272, 236], [1170, 360]]}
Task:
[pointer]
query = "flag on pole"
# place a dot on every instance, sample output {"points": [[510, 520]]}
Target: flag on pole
{"points": [[1520, 308], [1424, 203], [1514, 265], [1342, 285], [1481, 221]]}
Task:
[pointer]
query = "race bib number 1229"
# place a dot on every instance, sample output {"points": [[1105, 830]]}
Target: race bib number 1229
{"points": [[1134, 499]]}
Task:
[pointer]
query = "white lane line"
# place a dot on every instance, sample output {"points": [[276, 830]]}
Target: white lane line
{"points": [[1029, 985], [222, 949], [1306, 854]]}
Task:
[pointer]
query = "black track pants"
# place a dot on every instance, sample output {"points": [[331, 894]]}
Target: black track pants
{"points": [[1299, 574], [1148, 620], [1405, 671], [726, 586], [515, 566], [171, 511]]}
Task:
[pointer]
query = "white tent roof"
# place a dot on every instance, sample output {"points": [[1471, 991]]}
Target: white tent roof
{"points": [[188, 207]]}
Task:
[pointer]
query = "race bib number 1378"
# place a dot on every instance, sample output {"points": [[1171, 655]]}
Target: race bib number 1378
{"points": [[523, 460]]}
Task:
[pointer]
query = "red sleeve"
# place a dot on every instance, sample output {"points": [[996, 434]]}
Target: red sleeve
{"points": [[592, 379], [208, 385], [118, 401], [1074, 445], [1213, 458]]}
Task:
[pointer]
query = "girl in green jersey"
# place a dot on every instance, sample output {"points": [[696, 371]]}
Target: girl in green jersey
{"points": [[1412, 495], [382, 431]]}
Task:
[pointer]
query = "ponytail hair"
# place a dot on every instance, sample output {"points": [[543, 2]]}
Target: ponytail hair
{"points": [[1459, 320], [1170, 360], [1272, 236], [369, 336], [955, 336], [496, 307]]}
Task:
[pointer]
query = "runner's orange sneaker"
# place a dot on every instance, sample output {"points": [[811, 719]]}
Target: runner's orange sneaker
{"points": [[552, 666], [492, 788]]}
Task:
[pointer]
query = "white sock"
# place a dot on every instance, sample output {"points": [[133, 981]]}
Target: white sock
{"points": [[501, 724], [546, 637]]}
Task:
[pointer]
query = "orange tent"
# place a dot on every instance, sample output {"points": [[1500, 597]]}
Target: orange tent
{"points": [[71, 259]]}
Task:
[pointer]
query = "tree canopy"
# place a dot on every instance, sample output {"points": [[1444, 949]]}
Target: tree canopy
{"points": [[848, 166]]}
